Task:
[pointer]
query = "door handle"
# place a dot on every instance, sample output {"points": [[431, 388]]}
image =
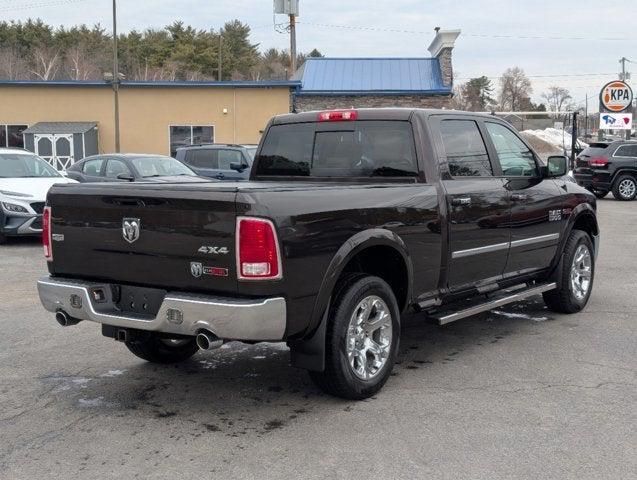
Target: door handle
{"points": [[458, 201], [519, 197]]}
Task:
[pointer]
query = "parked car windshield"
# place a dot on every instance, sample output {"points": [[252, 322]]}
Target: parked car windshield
{"points": [[160, 167], [356, 149], [25, 165]]}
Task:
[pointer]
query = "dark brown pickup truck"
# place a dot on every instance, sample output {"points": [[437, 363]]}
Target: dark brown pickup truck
{"points": [[350, 218]]}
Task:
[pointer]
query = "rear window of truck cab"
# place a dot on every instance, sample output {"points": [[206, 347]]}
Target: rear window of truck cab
{"points": [[358, 149]]}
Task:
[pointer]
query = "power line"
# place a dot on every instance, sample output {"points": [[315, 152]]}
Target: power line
{"points": [[53, 3], [474, 35], [550, 76]]}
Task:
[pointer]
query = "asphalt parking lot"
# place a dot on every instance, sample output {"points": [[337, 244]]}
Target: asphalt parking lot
{"points": [[517, 393]]}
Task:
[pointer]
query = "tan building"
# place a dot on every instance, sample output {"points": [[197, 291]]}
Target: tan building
{"points": [[155, 117]]}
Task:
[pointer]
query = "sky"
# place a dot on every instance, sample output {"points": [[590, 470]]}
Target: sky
{"points": [[572, 39]]}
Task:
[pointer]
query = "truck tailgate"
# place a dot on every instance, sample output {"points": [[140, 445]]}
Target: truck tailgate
{"points": [[185, 238]]}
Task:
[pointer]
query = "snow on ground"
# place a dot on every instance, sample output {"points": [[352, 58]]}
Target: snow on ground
{"points": [[550, 141]]}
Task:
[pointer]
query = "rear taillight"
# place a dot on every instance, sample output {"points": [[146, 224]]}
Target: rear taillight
{"points": [[258, 256], [598, 162], [338, 116], [46, 233]]}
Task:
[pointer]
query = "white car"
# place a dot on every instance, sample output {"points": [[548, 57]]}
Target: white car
{"points": [[25, 180]]}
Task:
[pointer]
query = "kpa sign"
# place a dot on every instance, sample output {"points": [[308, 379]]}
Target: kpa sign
{"points": [[616, 96]]}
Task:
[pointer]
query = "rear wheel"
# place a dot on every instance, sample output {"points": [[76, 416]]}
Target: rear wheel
{"points": [[625, 188], [3, 239], [163, 350], [576, 275], [361, 339]]}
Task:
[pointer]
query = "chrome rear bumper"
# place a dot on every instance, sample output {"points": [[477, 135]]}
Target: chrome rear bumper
{"points": [[180, 313]]}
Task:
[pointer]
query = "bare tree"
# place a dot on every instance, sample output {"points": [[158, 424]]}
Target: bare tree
{"points": [[46, 62], [12, 65], [81, 64], [557, 97], [515, 89]]}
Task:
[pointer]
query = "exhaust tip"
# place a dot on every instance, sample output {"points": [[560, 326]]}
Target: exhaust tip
{"points": [[207, 340], [65, 320]]}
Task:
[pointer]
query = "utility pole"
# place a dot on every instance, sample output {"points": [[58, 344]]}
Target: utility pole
{"points": [[116, 78], [623, 61], [293, 43]]}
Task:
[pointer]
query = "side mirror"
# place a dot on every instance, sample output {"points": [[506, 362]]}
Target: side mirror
{"points": [[556, 166], [239, 167], [125, 176]]}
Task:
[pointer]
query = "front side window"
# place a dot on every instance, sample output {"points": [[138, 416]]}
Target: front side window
{"points": [[228, 157], [22, 165], [466, 152], [114, 168], [185, 135], [360, 149], [11, 136], [515, 157]]}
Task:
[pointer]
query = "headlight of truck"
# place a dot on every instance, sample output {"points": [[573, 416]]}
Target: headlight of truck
{"points": [[13, 208]]}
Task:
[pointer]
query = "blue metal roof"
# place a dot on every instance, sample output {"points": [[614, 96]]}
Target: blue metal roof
{"points": [[149, 84], [364, 76]]}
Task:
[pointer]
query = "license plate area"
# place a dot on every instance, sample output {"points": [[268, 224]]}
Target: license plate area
{"points": [[138, 301]]}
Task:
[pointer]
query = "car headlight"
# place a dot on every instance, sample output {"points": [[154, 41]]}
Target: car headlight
{"points": [[13, 208]]}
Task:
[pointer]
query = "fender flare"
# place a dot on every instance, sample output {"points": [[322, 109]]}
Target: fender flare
{"points": [[577, 213], [621, 171], [309, 352]]}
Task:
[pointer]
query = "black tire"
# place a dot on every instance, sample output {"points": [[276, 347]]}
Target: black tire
{"points": [[159, 350], [600, 193], [339, 378], [3, 239], [564, 299], [620, 185]]}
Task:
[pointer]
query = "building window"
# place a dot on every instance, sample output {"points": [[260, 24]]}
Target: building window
{"points": [[185, 135], [11, 135]]}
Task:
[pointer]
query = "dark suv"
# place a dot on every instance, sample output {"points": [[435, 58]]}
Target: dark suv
{"points": [[220, 161], [603, 167]]}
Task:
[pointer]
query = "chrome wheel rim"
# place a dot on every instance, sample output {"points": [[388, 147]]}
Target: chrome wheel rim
{"points": [[581, 272], [627, 188], [369, 337]]}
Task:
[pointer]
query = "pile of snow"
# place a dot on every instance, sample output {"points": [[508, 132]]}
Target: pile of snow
{"points": [[559, 138]]}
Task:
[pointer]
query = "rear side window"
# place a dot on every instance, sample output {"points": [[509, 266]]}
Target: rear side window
{"points": [[626, 151], [202, 158], [466, 152], [92, 167], [360, 149]]}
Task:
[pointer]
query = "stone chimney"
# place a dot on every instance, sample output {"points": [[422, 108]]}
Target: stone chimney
{"points": [[441, 48]]}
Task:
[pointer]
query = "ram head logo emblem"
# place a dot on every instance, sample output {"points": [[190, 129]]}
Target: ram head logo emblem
{"points": [[131, 228]]}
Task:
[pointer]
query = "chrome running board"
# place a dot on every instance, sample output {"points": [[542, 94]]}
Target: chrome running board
{"points": [[444, 318]]}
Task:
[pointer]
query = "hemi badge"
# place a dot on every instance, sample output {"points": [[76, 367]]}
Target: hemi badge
{"points": [[57, 237]]}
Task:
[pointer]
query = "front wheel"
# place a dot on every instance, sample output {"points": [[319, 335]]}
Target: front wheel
{"points": [[625, 188], [575, 277], [361, 339], [156, 349]]}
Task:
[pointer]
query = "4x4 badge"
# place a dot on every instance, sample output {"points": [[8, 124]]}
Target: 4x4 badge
{"points": [[131, 228]]}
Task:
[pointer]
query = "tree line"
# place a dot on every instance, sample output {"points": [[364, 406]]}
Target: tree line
{"points": [[513, 94], [33, 50]]}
